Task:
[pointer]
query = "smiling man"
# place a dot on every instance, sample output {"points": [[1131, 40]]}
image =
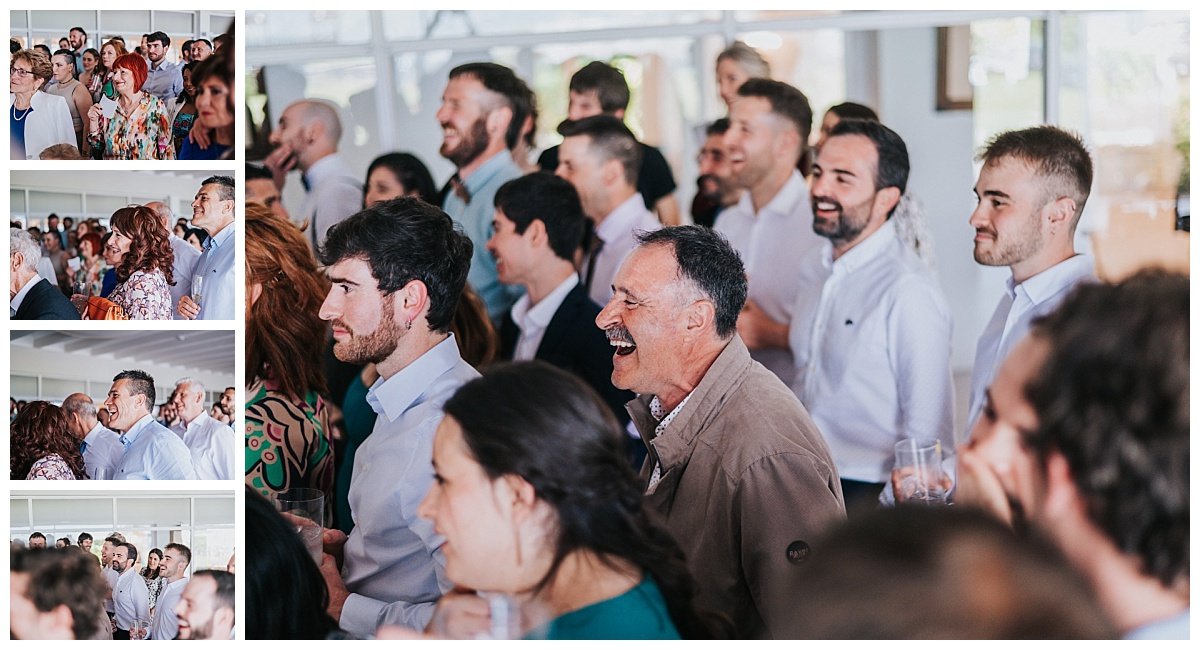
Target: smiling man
{"points": [[152, 452], [396, 271], [213, 210], [164, 79], [871, 333], [176, 559], [206, 607], [736, 468]]}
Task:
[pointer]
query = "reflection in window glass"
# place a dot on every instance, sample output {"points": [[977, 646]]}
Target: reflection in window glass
{"points": [[1006, 73], [455, 23]]}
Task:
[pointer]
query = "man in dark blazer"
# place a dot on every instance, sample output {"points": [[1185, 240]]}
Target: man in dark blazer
{"points": [[538, 227], [32, 297]]}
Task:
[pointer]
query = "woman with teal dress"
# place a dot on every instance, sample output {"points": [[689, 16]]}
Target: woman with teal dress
{"points": [[541, 513]]}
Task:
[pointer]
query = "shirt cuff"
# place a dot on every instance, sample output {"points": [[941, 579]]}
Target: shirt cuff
{"points": [[360, 615]]}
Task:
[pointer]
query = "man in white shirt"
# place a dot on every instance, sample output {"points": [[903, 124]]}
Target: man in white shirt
{"points": [[108, 572], [871, 335], [1031, 192], [213, 210], [206, 607], [186, 257], [131, 597], [771, 226], [176, 560], [152, 452], [601, 158], [397, 270], [210, 442], [537, 228], [101, 447], [307, 139]]}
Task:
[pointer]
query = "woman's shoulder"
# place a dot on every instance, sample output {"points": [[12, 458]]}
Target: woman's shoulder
{"points": [[640, 613], [51, 467]]}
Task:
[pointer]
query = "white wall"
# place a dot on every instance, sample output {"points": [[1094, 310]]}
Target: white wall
{"points": [[179, 188], [100, 370]]}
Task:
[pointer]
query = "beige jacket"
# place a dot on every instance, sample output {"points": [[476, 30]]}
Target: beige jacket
{"points": [[747, 485]]}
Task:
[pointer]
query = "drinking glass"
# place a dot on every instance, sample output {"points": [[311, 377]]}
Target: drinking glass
{"points": [[102, 474], [919, 472], [197, 287], [304, 508], [139, 630]]}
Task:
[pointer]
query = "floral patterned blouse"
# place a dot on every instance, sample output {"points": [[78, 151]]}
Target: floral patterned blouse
{"points": [[288, 444], [144, 134], [50, 468], [144, 296], [155, 586]]}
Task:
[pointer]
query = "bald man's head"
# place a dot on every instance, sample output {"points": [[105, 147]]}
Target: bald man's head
{"points": [[310, 128], [163, 211], [81, 414]]}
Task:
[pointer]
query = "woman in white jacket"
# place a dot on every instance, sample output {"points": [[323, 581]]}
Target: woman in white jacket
{"points": [[37, 120]]}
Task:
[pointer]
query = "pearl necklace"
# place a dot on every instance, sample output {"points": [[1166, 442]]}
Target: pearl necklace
{"points": [[23, 115]]}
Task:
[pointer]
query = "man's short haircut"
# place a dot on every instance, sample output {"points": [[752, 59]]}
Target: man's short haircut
{"points": [[114, 540], [80, 30], [20, 241], [161, 37], [63, 576], [717, 127], [748, 58], [182, 550], [320, 110], [140, 383], [706, 259], [524, 104], [225, 587], [506, 86], [1059, 158], [130, 550], [611, 139], [892, 167], [37, 535], [786, 101], [195, 385], [79, 406], [606, 81], [1112, 398], [83, 537], [225, 186], [403, 240], [853, 111], [258, 173], [549, 199], [203, 40]]}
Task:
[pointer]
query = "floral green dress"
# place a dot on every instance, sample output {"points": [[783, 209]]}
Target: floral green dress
{"points": [[143, 134], [288, 443]]}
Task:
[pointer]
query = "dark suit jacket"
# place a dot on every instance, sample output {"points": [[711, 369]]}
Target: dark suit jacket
{"points": [[45, 302], [574, 343]]}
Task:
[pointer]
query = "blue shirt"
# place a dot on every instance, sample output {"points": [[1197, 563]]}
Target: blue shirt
{"points": [[153, 453], [476, 220], [189, 151], [393, 568], [166, 82], [16, 131], [216, 266]]}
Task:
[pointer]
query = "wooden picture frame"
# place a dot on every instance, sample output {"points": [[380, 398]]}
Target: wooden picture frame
{"points": [[954, 91]]}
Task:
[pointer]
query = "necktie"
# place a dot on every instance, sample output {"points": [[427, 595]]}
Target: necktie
{"points": [[596, 245], [83, 447], [460, 189]]}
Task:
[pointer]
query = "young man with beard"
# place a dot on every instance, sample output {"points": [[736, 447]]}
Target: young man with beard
{"points": [[206, 607], [478, 109], [871, 333], [397, 270], [715, 191]]}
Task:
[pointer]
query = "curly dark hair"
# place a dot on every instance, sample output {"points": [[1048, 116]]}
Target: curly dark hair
{"points": [[39, 431], [284, 318], [1112, 398], [569, 447], [150, 248]]}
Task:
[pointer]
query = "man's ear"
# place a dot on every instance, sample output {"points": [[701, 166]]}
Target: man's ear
{"points": [[700, 315], [1060, 212], [886, 199], [498, 120], [410, 301]]}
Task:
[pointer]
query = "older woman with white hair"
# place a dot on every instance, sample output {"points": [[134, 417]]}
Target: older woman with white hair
{"points": [[37, 120]]}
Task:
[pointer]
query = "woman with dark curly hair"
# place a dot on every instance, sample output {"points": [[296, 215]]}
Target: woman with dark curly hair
{"points": [[288, 437], [152, 575], [144, 273], [42, 448]]}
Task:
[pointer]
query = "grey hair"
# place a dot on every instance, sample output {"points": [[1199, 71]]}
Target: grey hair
{"points": [[22, 242], [195, 384], [80, 406]]}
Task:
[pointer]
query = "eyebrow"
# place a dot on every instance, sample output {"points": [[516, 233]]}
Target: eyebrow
{"points": [[994, 193], [633, 296], [337, 280]]}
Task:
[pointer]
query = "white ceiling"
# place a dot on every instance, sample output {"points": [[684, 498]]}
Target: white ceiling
{"points": [[190, 350]]}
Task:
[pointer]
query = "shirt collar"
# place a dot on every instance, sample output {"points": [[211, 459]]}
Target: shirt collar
{"points": [[135, 431], [327, 167], [1052, 281], [220, 238], [487, 171], [96, 432], [539, 315], [200, 420], [866, 250], [393, 396], [622, 218], [16, 301]]}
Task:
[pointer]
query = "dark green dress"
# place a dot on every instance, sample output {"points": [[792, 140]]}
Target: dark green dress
{"points": [[640, 613]]}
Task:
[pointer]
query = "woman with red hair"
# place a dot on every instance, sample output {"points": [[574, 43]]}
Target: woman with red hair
{"points": [[91, 265], [42, 447], [144, 272], [140, 126]]}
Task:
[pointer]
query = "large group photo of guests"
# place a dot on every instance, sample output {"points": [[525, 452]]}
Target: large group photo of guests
{"points": [[97, 96], [539, 401]]}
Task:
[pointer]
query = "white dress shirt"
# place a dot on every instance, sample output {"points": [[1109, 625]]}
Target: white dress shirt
{"points": [[616, 231], [166, 624], [131, 599], [1018, 307], [211, 444], [772, 245], [110, 577], [186, 257], [333, 192], [152, 452], [872, 346], [533, 320], [393, 568], [102, 448], [15, 303], [216, 266]]}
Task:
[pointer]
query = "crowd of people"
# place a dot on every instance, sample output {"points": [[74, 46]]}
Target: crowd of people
{"points": [[121, 438], [68, 592], [145, 265], [758, 368], [80, 102]]}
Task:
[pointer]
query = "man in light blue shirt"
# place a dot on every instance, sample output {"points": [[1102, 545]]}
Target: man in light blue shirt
{"points": [[152, 452], [478, 107], [163, 80], [102, 450], [397, 270], [213, 210]]}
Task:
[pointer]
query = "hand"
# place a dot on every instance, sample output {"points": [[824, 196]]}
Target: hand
{"points": [[199, 136], [899, 474], [280, 161], [332, 542], [401, 633], [758, 330], [979, 487], [337, 588], [188, 308], [94, 114], [79, 301], [460, 616]]}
